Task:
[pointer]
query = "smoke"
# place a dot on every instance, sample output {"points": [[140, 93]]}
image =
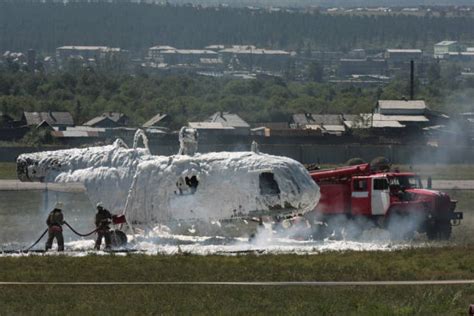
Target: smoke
{"points": [[397, 228]]}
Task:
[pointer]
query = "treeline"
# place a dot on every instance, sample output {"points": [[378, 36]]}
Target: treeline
{"points": [[184, 98], [87, 93], [45, 26]]}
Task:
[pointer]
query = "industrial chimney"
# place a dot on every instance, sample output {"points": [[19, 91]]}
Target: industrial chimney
{"points": [[412, 80]]}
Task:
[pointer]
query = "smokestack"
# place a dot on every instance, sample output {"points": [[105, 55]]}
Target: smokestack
{"points": [[412, 80]]}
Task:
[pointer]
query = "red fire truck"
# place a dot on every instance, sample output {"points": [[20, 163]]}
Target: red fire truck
{"points": [[384, 198]]}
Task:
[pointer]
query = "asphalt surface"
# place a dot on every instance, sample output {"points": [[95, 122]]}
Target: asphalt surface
{"points": [[16, 185], [302, 283]]}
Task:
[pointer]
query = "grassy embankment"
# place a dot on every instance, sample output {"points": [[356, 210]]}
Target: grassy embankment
{"points": [[413, 264]]}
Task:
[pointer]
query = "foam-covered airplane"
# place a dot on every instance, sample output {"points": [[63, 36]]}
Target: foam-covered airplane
{"points": [[184, 187]]}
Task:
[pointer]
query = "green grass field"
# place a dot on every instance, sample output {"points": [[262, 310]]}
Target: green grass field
{"points": [[413, 264], [7, 170]]}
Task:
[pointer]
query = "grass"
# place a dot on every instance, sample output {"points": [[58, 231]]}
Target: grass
{"points": [[417, 264], [412, 264], [151, 300], [8, 170]]}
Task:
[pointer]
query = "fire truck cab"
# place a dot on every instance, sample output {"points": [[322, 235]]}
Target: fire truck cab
{"points": [[358, 192]]}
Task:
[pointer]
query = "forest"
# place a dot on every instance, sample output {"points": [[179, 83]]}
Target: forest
{"points": [[88, 92], [45, 26]]}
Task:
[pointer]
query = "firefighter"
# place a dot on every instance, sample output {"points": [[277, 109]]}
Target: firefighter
{"points": [[55, 221], [103, 218]]}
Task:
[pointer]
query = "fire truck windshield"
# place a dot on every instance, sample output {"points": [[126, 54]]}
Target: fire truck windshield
{"points": [[407, 182]]}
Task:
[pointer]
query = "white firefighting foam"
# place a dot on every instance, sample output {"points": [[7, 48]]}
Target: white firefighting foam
{"points": [[227, 185], [164, 243], [155, 189]]}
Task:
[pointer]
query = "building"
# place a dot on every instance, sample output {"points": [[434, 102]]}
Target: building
{"points": [[371, 121], [54, 119], [160, 120], [464, 57], [91, 54], [182, 56], [211, 128], [251, 57], [442, 49], [401, 107], [326, 123], [410, 113], [399, 57], [227, 119], [108, 120], [365, 66], [154, 53]]}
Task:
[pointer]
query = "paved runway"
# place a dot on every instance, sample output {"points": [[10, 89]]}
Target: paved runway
{"points": [[302, 283], [16, 185]]}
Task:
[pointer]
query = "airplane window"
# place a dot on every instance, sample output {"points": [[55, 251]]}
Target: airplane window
{"points": [[268, 184], [192, 183], [187, 185]]}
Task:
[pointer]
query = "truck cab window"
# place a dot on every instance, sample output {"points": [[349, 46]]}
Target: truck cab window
{"points": [[268, 184], [380, 184]]}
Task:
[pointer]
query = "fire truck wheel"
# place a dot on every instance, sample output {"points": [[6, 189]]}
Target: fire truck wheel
{"points": [[439, 230], [118, 238]]}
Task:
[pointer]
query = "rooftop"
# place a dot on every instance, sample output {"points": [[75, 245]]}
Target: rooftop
{"points": [[402, 104], [228, 119], [52, 118], [446, 43], [256, 51], [209, 125], [397, 50], [189, 51], [162, 47], [400, 118], [82, 48], [155, 119]]}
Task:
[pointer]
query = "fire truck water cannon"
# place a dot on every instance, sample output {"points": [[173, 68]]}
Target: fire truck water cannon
{"points": [[395, 201]]}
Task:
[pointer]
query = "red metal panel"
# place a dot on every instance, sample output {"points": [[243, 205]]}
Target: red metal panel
{"points": [[335, 198]]}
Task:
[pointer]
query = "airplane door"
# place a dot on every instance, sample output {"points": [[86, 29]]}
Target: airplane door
{"points": [[380, 196]]}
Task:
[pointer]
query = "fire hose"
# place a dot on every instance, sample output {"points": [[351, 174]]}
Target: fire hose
{"points": [[36, 242], [46, 230], [79, 234]]}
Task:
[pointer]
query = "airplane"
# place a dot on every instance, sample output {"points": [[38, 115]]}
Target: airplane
{"points": [[151, 189]]}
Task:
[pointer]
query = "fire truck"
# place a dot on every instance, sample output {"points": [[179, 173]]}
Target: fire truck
{"points": [[387, 199]]}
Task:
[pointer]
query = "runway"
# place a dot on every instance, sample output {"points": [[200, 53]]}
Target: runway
{"points": [[16, 185], [257, 283]]}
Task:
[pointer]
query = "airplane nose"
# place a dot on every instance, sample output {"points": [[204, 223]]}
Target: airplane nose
{"points": [[22, 169]]}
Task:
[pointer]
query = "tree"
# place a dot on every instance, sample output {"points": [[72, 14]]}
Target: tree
{"points": [[434, 72], [315, 72]]}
